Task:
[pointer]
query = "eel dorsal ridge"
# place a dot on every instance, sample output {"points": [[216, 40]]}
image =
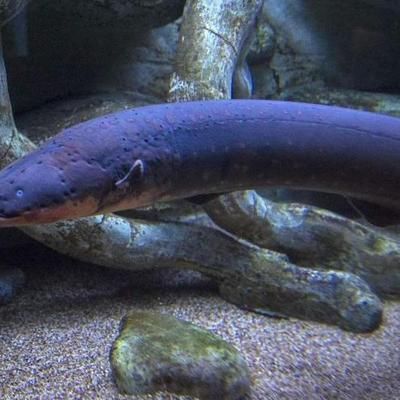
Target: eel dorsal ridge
{"points": [[134, 174]]}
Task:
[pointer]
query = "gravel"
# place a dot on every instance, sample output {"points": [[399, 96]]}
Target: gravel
{"points": [[56, 335]]}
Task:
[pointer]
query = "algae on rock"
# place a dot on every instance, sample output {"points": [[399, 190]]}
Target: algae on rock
{"points": [[157, 352]]}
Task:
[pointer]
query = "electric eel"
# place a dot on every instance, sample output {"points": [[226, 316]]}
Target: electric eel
{"points": [[162, 152]]}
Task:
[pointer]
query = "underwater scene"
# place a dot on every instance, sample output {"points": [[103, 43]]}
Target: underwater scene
{"points": [[200, 199]]}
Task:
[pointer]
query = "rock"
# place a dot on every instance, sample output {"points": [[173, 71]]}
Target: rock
{"points": [[158, 352], [44, 122], [101, 13], [60, 56], [307, 47], [10, 8], [10, 280]]}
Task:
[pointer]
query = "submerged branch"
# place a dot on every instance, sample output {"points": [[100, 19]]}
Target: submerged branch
{"points": [[253, 278], [205, 71], [312, 237], [212, 39]]}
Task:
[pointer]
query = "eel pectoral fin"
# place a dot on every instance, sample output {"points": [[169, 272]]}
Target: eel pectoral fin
{"points": [[135, 174]]}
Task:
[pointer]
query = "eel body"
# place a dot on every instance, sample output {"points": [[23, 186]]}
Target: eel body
{"points": [[133, 158]]}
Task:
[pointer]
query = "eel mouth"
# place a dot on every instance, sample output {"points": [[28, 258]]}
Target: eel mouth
{"points": [[47, 215]]}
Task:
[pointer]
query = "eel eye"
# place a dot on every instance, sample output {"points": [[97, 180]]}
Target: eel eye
{"points": [[19, 193]]}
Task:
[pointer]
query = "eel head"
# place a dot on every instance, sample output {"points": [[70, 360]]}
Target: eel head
{"points": [[41, 189]]}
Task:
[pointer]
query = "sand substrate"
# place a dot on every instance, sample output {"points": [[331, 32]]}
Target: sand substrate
{"points": [[56, 335]]}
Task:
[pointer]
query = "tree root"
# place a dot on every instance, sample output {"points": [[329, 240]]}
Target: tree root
{"points": [[253, 278], [312, 237]]}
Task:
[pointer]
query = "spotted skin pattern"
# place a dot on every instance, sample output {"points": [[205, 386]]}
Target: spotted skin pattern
{"points": [[135, 157]]}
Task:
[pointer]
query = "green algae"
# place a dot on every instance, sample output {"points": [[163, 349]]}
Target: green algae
{"points": [[157, 352]]}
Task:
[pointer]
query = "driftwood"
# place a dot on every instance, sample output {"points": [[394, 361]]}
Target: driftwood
{"points": [[118, 242], [257, 279], [292, 229], [312, 237], [199, 75]]}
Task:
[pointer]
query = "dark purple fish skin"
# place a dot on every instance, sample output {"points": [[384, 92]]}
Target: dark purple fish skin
{"points": [[135, 157]]}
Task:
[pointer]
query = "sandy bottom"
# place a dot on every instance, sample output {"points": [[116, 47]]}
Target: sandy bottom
{"points": [[55, 337]]}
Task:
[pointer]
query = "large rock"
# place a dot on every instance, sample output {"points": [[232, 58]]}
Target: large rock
{"points": [[157, 352], [348, 44], [86, 47], [10, 8], [80, 48]]}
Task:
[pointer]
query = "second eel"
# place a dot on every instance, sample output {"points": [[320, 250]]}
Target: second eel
{"points": [[133, 158]]}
